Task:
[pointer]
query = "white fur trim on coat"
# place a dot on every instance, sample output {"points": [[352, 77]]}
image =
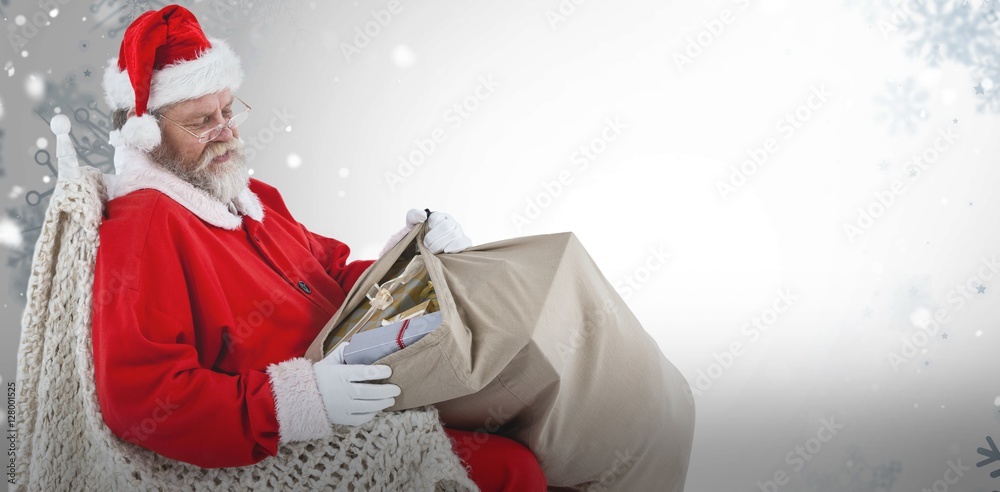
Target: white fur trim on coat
{"points": [[134, 171], [214, 70], [297, 402]]}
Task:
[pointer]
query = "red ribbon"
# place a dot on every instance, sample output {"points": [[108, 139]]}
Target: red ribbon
{"points": [[399, 336]]}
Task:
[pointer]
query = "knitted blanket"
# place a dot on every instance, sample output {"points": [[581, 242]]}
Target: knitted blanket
{"points": [[63, 443]]}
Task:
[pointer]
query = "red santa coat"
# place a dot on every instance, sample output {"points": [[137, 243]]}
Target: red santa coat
{"points": [[194, 321], [200, 316]]}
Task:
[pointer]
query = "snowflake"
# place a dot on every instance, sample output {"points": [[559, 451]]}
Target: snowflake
{"points": [[264, 10], [120, 16], [29, 222], [940, 29], [872, 10], [987, 69], [854, 475], [260, 13], [903, 106], [136, 8], [885, 475]]}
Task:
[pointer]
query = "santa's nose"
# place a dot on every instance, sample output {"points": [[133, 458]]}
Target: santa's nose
{"points": [[226, 135]]}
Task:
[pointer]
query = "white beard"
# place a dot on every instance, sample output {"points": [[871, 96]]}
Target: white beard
{"points": [[223, 181]]}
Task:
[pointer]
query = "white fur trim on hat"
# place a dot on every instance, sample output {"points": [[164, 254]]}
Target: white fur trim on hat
{"points": [[297, 402], [142, 133], [215, 69]]}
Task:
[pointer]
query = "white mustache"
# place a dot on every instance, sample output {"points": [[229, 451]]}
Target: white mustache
{"points": [[217, 150]]}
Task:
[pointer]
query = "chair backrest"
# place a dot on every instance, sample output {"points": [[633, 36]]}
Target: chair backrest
{"points": [[63, 443], [55, 404]]}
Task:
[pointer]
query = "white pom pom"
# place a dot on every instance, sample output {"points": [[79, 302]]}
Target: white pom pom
{"points": [[142, 133], [60, 124]]}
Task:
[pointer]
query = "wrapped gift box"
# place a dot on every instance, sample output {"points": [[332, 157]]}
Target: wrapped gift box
{"points": [[371, 345], [427, 307], [404, 286]]}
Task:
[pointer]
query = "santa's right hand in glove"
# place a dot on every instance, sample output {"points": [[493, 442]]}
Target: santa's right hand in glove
{"points": [[444, 233], [347, 399]]}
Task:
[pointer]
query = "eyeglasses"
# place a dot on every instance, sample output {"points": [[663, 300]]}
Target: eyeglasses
{"points": [[211, 134]]}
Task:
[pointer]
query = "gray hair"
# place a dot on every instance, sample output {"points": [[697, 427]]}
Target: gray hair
{"points": [[120, 116]]}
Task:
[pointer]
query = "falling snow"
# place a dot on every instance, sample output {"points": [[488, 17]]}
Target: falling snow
{"points": [[986, 75], [903, 106], [27, 220]]}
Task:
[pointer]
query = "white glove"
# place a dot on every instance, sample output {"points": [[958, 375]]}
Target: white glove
{"points": [[414, 217], [444, 234], [347, 401]]}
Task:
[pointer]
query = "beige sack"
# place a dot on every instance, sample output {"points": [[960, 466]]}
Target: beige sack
{"points": [[536, 345]]}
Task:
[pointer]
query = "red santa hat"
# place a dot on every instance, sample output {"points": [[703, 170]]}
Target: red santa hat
{"points": [[165, 58]]}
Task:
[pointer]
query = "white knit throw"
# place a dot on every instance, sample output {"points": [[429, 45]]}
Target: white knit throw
{"points": [[63, 443]]}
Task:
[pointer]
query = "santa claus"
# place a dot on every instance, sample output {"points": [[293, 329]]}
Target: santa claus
{"points": [[207, 291]]}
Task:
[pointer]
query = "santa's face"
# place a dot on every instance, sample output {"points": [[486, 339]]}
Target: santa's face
{"points": [[217, 167]]}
